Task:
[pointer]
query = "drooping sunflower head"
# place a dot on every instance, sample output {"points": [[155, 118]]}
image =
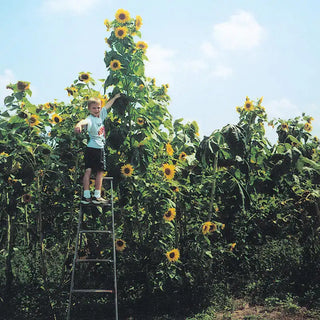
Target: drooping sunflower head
{"points": [[33, 120], [238, 109], [56, 118], [115, 65], [120, 244], [127, 170], [121, 32], [169, 214], [71, 90], [138, 22], [169, 149], [284, 126], [248, 106], [140, 121], [173, 255], [23, 85], [182, 156], [51, 107], [26, 198], [168, 171], [307, 126], [142, 46], [106, 22], [206, 227], [122, 16], [84, 77]]}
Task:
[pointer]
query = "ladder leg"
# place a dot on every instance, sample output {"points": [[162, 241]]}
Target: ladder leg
{"points": [[74, 262]]}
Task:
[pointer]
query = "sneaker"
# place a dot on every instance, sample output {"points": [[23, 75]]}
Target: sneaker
{"points": [[99, 200], [86, 200]]}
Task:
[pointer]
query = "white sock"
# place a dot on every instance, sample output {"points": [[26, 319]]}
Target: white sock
{"points": [[86, 193], [97, 193]]}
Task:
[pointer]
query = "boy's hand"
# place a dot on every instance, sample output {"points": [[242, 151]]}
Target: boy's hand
{"points": [[77, 129]]}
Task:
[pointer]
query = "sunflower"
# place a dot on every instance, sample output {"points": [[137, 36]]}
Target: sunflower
{"points": [[173, 255], [169, 149], [4, 154], [310, 119], [84, 77], [212, 227], [169, 214], [141, 45], [33, 120], [115, 65], [71, 90], [232, 246], [248, 106], [106, 22], [141, 86], [168, 170], [121, 32], [182, 156], [284, 126], [56, 118], [140, 121], [26, 198], [175, 189], [206, 227], [120, 244], [51, 107], [238, 109], [122, 16], [23, 86], [138, 22], [127, 170], [307, 126]]}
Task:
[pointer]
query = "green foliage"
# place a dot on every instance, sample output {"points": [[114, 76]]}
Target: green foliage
{"points": [[239, 214]]}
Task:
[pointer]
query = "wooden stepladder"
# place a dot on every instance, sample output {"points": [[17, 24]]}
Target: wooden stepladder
{"points": [[86, 234]]}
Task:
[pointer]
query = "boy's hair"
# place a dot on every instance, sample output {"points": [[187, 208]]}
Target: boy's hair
{"points": [[93, 100]]}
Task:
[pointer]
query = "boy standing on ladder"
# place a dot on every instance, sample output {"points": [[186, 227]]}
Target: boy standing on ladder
{"points": [[94, 156]]}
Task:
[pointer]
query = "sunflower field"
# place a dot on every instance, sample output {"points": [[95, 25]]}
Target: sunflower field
{"points": [[197, 220]]}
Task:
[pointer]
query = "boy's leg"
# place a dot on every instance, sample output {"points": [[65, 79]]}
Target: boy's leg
{"points": [[97, 192], [99, 177], [86, 183]]}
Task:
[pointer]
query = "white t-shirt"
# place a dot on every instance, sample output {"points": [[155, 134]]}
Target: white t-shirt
{"points": [[96, 130]]}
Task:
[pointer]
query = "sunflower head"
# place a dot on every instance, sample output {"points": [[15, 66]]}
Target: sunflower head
{"points": [[84, 77], [169, 149], [26, 198], [138, 22], [175, 189], [33, 120], [71, 90], [169, 214], [23, 85], [115, 65], [307, 126], [106, 22], [168, 171], [248, 106], [173, 255], [120, 244], [206, 227], [56, 119], [140, 121], [121, 32], [142, 46], [127, 170], [284, 126], [122, 16], [182, 156]]}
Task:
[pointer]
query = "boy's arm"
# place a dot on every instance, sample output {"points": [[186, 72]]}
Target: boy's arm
{"points": [[79, 126], [111, 101]]}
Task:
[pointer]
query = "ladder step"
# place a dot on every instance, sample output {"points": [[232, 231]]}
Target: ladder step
{"points": [[93, 290], [95, 231], [94, 260]]}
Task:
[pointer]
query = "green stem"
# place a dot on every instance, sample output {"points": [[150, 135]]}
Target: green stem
{"points": [[214, 185]]}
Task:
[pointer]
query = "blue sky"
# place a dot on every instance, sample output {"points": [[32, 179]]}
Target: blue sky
{"points": [[213, 53]]}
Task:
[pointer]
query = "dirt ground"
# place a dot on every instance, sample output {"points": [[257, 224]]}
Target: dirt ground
{"points": [[246, 312]]}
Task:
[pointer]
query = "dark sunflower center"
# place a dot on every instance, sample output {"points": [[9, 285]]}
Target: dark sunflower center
{"points": [[32, 120], [171, 255], [167, 171], [115, 64], [120, 33], [85, 77], [168, 214], [120, 243], [122, 16], [126, 170], [56, 120]]}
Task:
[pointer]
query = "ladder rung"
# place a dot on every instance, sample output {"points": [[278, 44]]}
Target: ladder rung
{"points": [[95, 205], [94, 260], [93, 290], [95, 231]]}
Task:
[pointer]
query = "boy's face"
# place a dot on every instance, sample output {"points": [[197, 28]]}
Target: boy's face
{"points": [[95, 109]]}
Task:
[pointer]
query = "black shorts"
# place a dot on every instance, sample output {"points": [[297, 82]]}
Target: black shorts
{"points": [[95, 159]]}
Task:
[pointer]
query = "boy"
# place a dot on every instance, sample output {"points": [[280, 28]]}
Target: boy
{"points": [[94, 156]]}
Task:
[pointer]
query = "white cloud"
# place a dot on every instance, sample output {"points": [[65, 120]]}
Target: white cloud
{"points": [[221, 71], [160, 65], [73, 6], [241, 31], [283, 109], [5, 78], [209, 50]]}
